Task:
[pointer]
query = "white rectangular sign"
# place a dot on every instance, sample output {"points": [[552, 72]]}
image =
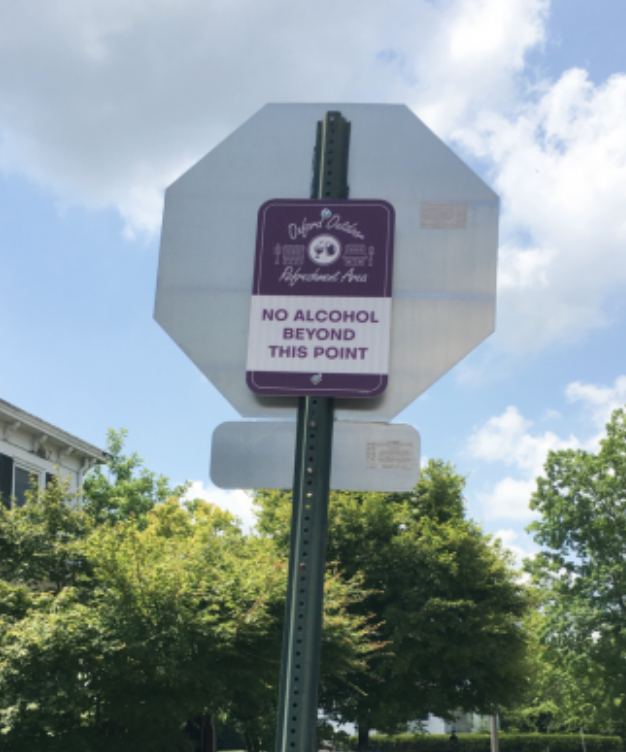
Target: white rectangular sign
{"points": [[319, 334], [366, 456]]}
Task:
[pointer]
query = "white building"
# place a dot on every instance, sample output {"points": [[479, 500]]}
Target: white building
{"points": [[33, 450], [462, 723]]}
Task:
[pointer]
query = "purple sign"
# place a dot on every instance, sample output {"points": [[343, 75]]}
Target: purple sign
{"points": [[320, 317]]}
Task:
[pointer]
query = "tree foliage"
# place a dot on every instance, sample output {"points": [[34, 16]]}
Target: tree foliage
{"points": [[126, 616], [539, 707], [445, 600], [582, 571], [124, 487]]}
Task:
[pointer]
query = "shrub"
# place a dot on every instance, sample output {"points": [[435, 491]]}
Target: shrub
{"points": [[481, 743]]}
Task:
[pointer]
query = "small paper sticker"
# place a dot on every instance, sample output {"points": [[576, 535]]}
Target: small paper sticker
{"points": [[389, 455], [443, 216]]}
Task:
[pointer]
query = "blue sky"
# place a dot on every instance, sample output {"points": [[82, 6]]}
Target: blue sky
{"points": [[104, 103]]}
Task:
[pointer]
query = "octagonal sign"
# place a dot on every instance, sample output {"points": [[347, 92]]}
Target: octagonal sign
{"points": [[446, 237]]}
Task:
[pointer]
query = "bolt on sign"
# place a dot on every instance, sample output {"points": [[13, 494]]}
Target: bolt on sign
{"points": [[320, 316]]}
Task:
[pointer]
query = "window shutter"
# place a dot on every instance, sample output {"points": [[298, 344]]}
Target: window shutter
{"points": [[6, 479]]}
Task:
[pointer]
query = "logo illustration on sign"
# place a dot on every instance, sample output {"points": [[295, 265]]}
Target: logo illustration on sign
{"points": [[324, 250], [320, 315]]}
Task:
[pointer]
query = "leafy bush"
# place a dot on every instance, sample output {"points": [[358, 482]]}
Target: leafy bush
{"points": [[481, 743]]}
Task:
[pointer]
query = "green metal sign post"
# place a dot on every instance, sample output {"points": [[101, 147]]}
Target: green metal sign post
{"points": [[297, 709]]}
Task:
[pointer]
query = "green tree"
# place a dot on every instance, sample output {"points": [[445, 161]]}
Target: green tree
{"points": [[444, 598], [149, 635], [119, 627], [540, 705], [582, 570], [124, 486]]}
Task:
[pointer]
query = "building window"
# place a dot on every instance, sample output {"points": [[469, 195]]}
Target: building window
{"points": [[16, 480], [23, 481]]}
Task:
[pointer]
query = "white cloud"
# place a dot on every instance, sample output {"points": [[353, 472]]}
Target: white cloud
{"points": [[108, 101], [512, 540], [473, 60], [508, 438], [509, 500], [551, 414], [236, 502], [524, 268], [559, 162], [600, 400]]}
